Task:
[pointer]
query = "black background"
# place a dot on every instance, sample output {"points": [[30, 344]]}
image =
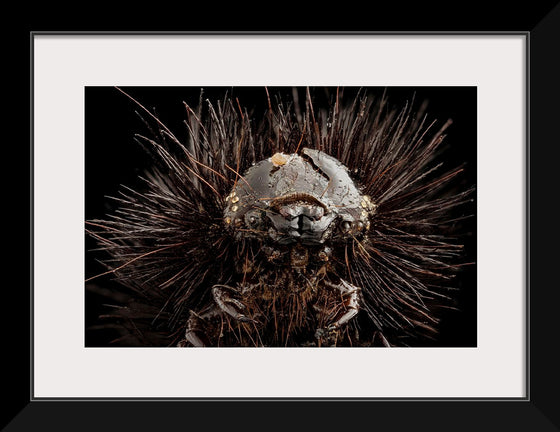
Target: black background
{"points": [[112, 158]]}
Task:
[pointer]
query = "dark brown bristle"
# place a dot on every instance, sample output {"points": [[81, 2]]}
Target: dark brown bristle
{"points": [[167, 245]]}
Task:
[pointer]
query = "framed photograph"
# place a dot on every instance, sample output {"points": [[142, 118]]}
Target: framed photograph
{"points": [[384, 263]]}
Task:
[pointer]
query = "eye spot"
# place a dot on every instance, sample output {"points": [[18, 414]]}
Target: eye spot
{"points": [[235, 199], [234, 208], [230, 196], [367, 204], [227, 220]]}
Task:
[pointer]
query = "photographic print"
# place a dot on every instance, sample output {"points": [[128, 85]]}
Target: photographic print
{"points": [[280, 216]]}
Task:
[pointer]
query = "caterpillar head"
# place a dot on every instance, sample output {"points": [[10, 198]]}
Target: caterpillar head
{"points": [[307, 199]]}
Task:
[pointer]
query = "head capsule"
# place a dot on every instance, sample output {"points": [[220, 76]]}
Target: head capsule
{"points": [[306, 198]]}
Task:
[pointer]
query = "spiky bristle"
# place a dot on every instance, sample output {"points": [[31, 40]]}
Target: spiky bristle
{"points": [[166, 244]]}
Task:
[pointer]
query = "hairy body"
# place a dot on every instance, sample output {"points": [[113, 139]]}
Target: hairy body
{"points": [[312, 228]]}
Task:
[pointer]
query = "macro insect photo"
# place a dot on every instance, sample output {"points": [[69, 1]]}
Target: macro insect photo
{"points": [[280, 217]]}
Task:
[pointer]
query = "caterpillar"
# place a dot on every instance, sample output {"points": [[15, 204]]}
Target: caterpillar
{"points": [[325, 218]]}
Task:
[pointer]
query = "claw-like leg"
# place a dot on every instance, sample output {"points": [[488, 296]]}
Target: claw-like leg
{"points": [[224, 298], [351, 302], [198, 324], [194, 334]]}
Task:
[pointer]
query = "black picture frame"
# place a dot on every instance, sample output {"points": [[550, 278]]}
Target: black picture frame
{"points": [[538, 412]]}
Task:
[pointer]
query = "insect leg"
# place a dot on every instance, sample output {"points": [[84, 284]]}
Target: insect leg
{"points": [[195, 335], [351, 304], [224, 296], [350, 296]]}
